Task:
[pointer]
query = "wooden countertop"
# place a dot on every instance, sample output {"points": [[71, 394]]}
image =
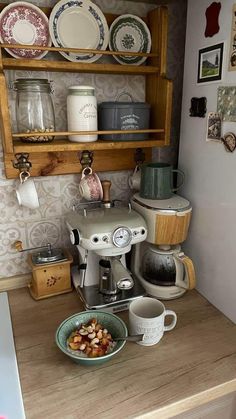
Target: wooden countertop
{"points": [[193, 364]]}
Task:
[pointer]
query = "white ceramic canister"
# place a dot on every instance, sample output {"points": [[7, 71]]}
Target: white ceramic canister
{"points": [[82, 112]]}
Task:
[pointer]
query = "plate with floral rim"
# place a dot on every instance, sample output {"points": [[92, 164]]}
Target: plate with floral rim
{"points": [[129, 33], [78, 24], [24, 23]]}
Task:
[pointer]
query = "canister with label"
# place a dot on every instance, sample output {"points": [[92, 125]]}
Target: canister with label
{"points": [[82, 113], [124, 116]]}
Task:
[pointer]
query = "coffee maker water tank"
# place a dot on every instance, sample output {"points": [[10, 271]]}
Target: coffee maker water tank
{"points": [[167, 220]]}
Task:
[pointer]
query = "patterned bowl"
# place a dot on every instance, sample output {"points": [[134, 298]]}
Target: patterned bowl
{"points": [[115, 326]]}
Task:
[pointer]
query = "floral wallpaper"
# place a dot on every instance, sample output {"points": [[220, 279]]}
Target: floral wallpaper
{"points": [[58, 194]]}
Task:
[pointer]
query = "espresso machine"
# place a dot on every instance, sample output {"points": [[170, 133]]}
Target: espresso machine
{"points": [[104, 233]]}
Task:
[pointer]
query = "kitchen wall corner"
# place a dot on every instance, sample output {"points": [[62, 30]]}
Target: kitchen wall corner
{"points": [[57, 194]]}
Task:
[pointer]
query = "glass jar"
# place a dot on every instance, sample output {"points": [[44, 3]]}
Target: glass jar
{"points": [[34, 109], [82, 112]]}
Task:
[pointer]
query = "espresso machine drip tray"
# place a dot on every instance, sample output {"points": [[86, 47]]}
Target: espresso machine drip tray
{"points": [[94, 300]]}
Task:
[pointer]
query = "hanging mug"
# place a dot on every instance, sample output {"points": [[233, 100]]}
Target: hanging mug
{"points": [[90, 186], [135, 179], [157, 181], [26, 192]]}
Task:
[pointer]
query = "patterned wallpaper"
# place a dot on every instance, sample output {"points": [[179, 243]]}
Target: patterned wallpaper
{"points": [[57, 194]]}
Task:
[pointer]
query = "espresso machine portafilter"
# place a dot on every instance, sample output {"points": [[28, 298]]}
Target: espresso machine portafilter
{"points": [[103, 235]]}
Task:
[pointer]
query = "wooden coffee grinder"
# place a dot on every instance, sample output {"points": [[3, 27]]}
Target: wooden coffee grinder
{"points": [[50, 270]]}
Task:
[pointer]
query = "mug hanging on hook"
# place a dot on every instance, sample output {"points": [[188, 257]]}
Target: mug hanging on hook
{"points": [[90, 186], [26, 192], [24, 176], [135, 179]]}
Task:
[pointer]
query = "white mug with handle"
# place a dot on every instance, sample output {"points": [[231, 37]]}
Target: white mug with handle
{"points": [[147, 316], [135, 179], [26, 192]]}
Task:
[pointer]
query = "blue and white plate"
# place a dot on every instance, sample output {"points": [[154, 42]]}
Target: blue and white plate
{"points": [[78, 24], [129, 33]]}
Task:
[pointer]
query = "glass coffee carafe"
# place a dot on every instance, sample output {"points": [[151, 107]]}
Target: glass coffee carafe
{"points": [[34, 109], [168, 266]]}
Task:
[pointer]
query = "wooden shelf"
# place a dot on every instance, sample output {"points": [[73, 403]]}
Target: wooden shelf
{"points": [[61, 156], [68, 66], [66, 145]]}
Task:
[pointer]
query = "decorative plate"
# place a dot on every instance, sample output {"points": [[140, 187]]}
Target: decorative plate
{"points": [[78, 24], [229, 141], [24, 23], [129, 33]]}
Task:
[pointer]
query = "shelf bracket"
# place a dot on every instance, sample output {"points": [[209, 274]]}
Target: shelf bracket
{"points": [[86, 158], [23, 165], [139, 156]]}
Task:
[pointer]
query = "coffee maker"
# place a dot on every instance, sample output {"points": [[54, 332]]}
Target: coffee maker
{"points": [[103, 233], [159, 263]]}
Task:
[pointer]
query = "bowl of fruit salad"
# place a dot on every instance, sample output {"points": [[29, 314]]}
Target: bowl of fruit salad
{"points": [[89, 337]]}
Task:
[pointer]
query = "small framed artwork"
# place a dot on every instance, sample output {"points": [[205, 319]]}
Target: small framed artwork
{"points": [[210, 61], [232, 51], [213, 127]]}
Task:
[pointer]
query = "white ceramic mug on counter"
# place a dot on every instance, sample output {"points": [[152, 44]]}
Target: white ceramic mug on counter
{"points": [[147, 316]]}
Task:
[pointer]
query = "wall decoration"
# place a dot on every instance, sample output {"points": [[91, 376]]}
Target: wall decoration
{"points": [[232, 50], [198, 106], [212, 17], [226, 103], [213, 127], [229, 141], [210, 61]]}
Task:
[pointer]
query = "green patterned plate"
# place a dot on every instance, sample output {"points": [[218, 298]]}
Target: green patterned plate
{"points": [[129, 33], [115, 326]]}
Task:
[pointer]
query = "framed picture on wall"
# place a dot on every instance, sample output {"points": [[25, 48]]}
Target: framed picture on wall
{"points": [[232, 51], [210, 60]]}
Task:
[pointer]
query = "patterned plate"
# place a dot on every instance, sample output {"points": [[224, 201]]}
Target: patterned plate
{"points": [[24, 23], [129, 33], [78, 24]]}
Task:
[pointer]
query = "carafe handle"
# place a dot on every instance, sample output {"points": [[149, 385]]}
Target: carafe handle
{"points": [[190, 281], [182, 179]]}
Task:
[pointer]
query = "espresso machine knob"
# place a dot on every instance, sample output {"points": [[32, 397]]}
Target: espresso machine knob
{"points": [[75, 236]]}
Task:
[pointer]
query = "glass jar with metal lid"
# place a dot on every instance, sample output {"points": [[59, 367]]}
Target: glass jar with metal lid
{"points": [[34, 109], [82, 112]]}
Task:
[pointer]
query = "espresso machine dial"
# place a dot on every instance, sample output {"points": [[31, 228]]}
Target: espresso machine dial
{"points": [[122, 237], [75, 236]]}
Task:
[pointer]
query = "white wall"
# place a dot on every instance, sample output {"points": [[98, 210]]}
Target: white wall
{"points": [[210, 170]]}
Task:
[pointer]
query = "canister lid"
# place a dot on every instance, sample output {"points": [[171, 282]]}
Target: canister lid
{"points": [[30, 81], [79, 87], [55, 255], [175, 203], [124, 105], [32, 84], [81, 90]]}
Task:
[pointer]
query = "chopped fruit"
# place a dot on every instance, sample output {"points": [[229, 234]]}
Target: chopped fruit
{"points": [[91, 339]]}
